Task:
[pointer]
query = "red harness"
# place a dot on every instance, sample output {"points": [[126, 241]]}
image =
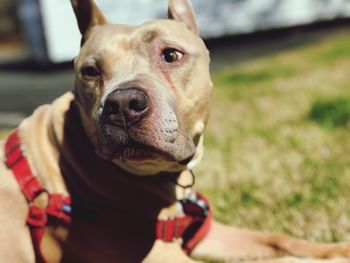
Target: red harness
{"points": [[192, 227], [37, 218]]}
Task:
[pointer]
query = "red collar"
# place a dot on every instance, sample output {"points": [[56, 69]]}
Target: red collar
{"points": [[191, 227]]}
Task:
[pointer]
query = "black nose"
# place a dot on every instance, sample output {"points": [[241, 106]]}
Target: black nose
{"points": [[126, 106]]}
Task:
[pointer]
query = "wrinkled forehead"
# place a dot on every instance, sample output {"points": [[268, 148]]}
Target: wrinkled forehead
{"points": [[168, 33]]}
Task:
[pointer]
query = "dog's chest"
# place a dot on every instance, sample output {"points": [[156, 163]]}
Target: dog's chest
{"points": [[101, 238]]}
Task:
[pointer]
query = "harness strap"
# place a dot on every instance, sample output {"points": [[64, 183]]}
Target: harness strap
{"points": [[59, 207], [192, 227], [37, 218], [29, 184], [172, 228]]}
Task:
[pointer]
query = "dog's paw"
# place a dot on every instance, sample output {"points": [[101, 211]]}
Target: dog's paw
{"points": [[338, 250], [300, 260]]}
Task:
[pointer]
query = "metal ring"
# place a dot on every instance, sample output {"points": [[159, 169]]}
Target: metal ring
{"points": [[188, 185]]}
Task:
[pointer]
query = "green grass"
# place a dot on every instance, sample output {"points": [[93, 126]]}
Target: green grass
{"points": [[247, 77], [331, 113], [338, 49], [278, 142], [277, 152]]}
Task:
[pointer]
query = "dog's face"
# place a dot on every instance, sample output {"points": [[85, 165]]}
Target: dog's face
{"points": [[143, 91]]}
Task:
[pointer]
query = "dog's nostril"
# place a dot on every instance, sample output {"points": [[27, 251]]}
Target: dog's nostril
{"points": [[139, 103]]}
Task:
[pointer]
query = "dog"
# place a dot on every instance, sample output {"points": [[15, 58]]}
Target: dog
{"points": [[103, 174]]}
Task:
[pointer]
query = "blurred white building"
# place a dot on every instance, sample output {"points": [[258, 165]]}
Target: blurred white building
{"points": [[60, 36]]}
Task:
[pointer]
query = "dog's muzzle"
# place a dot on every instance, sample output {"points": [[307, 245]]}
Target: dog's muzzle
{"points": [[138, 126]]}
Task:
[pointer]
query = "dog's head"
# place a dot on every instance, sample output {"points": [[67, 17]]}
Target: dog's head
{"points": [[143, 91]]}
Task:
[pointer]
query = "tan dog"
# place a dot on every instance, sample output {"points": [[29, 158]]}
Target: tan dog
{"points": [[135, 118]]}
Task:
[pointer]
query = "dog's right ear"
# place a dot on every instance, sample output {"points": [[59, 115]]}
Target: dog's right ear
{"points": [[181, 10], [88, 15]]}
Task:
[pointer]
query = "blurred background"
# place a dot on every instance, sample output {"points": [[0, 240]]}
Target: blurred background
{"points": [[277, 145]]}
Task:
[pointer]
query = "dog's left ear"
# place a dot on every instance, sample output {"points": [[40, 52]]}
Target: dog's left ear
{"points": [[181, 10], [88, 15]]}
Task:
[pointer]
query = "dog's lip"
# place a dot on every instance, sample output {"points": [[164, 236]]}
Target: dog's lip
{"points": [[141, 152], [186, 160]]}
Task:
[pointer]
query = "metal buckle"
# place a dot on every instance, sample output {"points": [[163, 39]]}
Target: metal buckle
{"points": [[195, 206]]}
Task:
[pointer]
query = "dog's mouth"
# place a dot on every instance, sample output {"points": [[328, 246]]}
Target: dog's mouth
{"points": [[141, 153], [136, 151], [133, 144]]}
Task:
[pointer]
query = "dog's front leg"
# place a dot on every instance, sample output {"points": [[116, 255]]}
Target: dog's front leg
{"points": [[299, 260], [167, 252], [229, 244]]}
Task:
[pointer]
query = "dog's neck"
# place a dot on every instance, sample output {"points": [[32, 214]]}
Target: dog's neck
{"points": [[94, 184]]}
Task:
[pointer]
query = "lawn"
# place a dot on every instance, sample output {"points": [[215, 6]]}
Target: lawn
{"points": [[278, 142]]}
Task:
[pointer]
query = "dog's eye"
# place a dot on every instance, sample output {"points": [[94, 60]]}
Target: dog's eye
{"points": [[90, 71], [172, 55]]}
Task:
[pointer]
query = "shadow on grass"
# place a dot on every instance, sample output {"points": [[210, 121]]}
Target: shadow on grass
{"points": [[331, 113]]}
